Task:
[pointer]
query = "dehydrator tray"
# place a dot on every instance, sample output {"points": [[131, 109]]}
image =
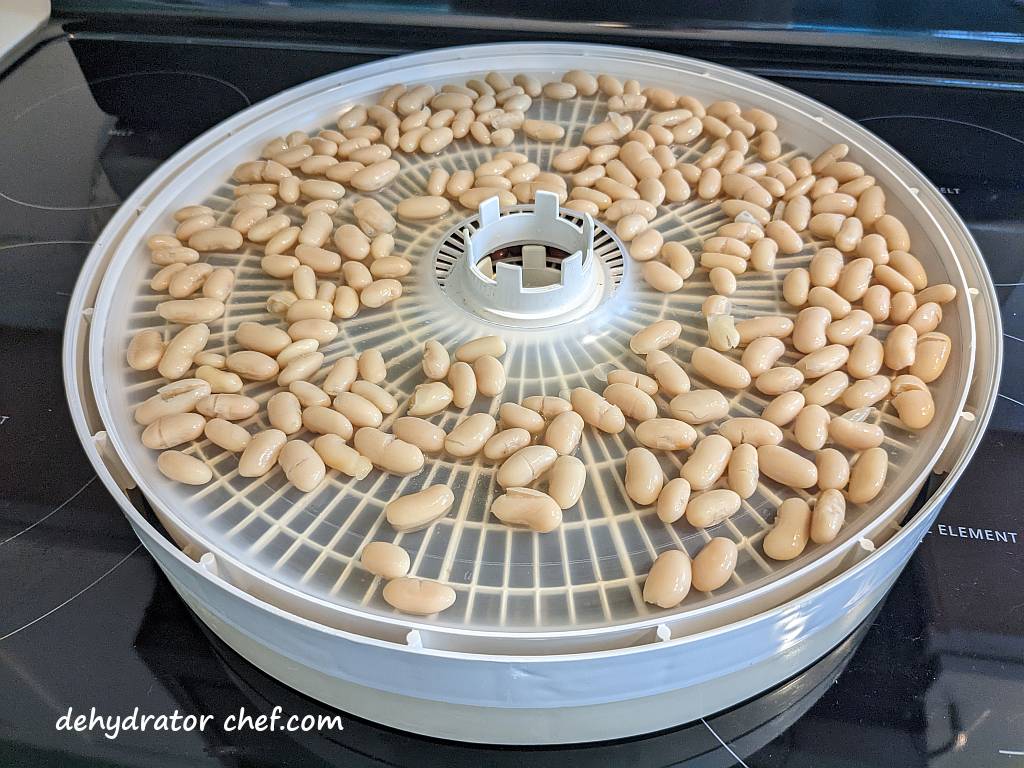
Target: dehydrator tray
{"points": [[589, 573]]}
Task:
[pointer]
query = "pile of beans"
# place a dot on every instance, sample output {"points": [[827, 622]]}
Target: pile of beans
{"points": [[815, 436]]}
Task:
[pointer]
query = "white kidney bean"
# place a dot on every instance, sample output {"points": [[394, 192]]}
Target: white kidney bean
{"points": [[751, 431], [357, 409], [177, 397], [833, 469], [469, 436], [646, 245], [415, 511], [306, 309], [285, 412], [162, 279], [707, 463], [230, 437], [596, 411], [656, 336], [942, 293], [309, 394], [423, 208], [855, 435], [846, 331], [384, 559], [865, 392], [428, 437], [564, 432], [779, 380], [267, 339], [668, 582], [633, 379], [913, 401], [372, 218], [827, 389], [699, 406], [714, 564], [525, 466], [547, 406], [490, 376], [931, 356], [673, 500], [371, 366], [743, 471], [231, 407], [384, 401], [506, 443], [337, 455], [761, 354], [710, 508], [190, 311], [820, 296], [810, 332], [183, 468], [262, 452], [515, 415], [173, 430], [788, 537], [484, 345], [388, 452], [866, 357], [926, 318], [186, 281], [146, 348], [302, 465], [566, 480], [420, 597], [811, 427], [828, 516], [671, 378], [666, 434], [786, 467], [528, 507], [210, 360], [723, 281], [867, 476], [775, 326], [255, 366], [322, 420], [644, 476], [633, 402], [719, 369], [178, 354], [823, 361], [341, 375], [900, 347], [462, 381], [795, 287], [430, 398]]}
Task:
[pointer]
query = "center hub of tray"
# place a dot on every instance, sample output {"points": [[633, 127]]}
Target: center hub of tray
{"points": [[528, 266]]}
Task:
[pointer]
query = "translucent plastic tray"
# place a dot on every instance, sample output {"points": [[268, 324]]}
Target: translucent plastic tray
{"points": [[589, 573]]}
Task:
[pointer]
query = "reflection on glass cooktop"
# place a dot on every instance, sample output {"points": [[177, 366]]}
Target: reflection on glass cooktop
{"points": [[935, 679]]}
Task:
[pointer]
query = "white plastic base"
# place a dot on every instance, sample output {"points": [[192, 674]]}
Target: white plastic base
{"points": [[492, 725]]}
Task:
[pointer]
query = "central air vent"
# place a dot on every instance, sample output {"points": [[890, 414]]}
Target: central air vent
{"points": [[530, 265]]}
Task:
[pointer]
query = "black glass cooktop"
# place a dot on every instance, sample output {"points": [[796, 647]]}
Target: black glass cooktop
{"points": [[935, 678]]}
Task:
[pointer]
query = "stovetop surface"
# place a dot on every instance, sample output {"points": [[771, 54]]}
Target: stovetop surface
{"points": [[936, 678]]}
